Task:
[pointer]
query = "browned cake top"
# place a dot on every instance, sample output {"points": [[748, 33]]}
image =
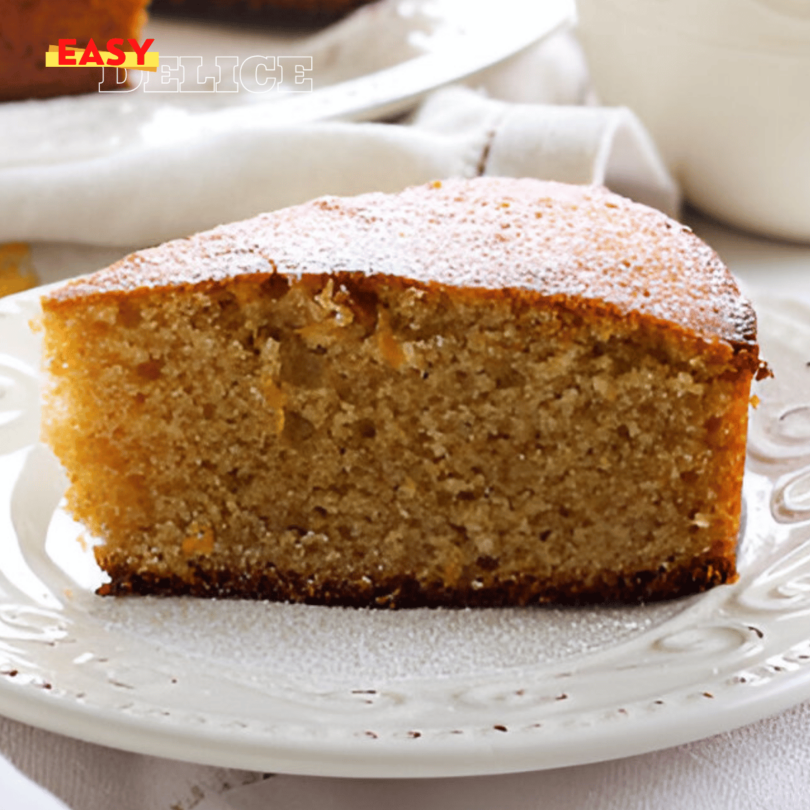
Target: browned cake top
{"points": [[561, 241]]}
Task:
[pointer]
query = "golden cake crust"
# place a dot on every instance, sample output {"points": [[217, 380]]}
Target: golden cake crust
{"points": [[581, 246]]}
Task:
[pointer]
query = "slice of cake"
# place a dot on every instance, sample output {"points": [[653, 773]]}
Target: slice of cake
{"points": [[483, 392]]}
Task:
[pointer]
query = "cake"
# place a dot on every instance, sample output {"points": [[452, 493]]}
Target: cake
{"points": [[291, 10], [29, 28], [17, 271], [471, 393]]}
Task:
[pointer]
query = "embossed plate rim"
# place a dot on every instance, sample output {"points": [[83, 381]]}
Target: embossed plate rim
{"points": [[727, 658]]}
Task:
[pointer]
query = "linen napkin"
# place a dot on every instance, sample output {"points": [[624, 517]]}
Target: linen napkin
{"points": [[20, 793], [172, 191], [146, 190]]}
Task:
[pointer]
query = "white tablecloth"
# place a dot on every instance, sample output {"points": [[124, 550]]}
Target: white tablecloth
{"points": [[758, 767]]}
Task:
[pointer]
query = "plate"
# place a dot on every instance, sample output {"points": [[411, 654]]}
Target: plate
{"points": [[314, 690], [377, 63]]}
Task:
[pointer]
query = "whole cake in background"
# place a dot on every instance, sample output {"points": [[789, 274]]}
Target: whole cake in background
{"points": [[472, 393], [17, 271], [29, 28], [286, 10]]}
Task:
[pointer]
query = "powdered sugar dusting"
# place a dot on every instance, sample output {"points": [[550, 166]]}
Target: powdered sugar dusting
{"points": [[560, 241], [367, 647]]}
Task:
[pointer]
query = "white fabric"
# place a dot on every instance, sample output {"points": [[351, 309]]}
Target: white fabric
{"points": [[170, 190], [458, 133], [20, 793], [758, 767]]}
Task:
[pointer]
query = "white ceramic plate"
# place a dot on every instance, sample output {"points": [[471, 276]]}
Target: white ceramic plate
{"points": [[314, 690], [380, 62]]}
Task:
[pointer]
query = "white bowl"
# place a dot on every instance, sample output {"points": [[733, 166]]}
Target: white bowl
{"points": [[724, 88]]}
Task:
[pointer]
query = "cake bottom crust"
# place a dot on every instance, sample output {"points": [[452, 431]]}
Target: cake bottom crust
{"points": [[408, 592]]}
